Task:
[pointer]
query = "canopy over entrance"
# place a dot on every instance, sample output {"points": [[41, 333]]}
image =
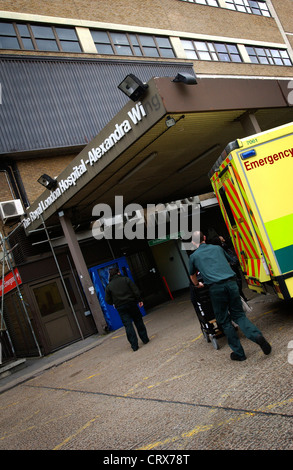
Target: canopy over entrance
{"points": [[161, 148]]}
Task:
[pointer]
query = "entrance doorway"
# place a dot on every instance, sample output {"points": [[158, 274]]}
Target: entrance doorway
{"points": [[172, 263], [57, 319]]}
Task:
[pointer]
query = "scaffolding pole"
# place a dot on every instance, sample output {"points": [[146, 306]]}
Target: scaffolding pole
{"points": [[3, 327], [61, 275], [7, 258]]}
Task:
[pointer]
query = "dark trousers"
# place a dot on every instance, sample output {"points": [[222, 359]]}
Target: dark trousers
{"points": [[226, 300], [130, 313]]}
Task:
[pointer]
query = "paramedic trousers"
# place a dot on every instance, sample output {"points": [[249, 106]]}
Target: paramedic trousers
{"points": [[227, 306], [130, 313]]}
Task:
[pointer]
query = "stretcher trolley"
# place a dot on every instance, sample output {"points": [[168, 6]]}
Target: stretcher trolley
{"points": [[203, 307]]}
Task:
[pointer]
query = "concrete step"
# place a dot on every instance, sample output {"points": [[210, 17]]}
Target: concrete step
{"points": [[11, 367]]}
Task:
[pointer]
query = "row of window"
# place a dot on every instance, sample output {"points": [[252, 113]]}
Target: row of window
{"points": [[132, 44], [204, 50], [53, 38], [248, 6], [245, 6], [260, 55], [38, 37]]}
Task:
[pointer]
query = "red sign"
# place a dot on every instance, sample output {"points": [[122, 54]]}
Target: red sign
{"points": [[9, 282]]}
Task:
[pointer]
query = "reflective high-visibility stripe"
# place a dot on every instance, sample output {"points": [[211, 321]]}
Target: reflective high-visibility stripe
{"points": [[243, 242], [253, 221], [238, 213]]}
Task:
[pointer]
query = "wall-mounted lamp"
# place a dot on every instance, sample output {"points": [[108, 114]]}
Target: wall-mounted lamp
{"points": [[47, 181], [170, 121], [132, 87], [186, 78]]}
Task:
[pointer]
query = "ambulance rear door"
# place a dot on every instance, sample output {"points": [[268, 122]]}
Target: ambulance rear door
{"points": [[242, 232], [266, 169]]}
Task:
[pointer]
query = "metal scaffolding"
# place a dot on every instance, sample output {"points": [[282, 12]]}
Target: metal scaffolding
{"points": [[6, 260]]}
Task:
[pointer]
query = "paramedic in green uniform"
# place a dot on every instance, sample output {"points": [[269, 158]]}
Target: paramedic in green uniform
{"points": [[213, 264]]}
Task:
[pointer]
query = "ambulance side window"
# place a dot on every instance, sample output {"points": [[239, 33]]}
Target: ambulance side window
{"points": [[227, 206]]}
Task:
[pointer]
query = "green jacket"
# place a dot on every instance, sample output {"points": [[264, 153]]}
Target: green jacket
{"points": [[212, 262], [121, 290]]}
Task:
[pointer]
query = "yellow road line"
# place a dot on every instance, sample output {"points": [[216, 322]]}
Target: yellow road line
{"points": [[33, 426], [207, 427], [80, 430]]}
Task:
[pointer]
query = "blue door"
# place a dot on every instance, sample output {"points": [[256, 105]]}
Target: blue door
{"points": [[100, 278]]}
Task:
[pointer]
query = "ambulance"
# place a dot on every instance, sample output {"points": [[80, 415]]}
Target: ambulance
{"points": [[253, 182]]}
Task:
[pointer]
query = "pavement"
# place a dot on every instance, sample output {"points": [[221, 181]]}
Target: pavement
{"points": [[176, 392], [28, 368]]}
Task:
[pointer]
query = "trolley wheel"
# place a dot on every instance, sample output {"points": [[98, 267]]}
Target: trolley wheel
{"points": [[206, 336], [214, 342]]}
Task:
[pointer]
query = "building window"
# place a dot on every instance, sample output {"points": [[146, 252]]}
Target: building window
{"points": [[49, 299], [8, 38], [45, 38], [211, 3], [102, 42], [262, 55], [132, 44], [25, 37], [68, 39], [38, 37], [203, 50], [248, 6], [121, 44]]}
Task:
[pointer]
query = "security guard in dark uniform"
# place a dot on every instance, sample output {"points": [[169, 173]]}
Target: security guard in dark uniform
{"points": [[123, 294]]}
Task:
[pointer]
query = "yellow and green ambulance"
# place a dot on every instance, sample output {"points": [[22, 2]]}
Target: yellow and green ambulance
{"points": [[253, 182]]}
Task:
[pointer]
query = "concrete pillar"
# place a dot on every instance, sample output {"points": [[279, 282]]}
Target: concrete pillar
{"points": [[249, 123], [82, 271]]}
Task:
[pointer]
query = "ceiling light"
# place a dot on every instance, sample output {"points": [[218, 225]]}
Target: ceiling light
{"points": [[170, 121]]}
